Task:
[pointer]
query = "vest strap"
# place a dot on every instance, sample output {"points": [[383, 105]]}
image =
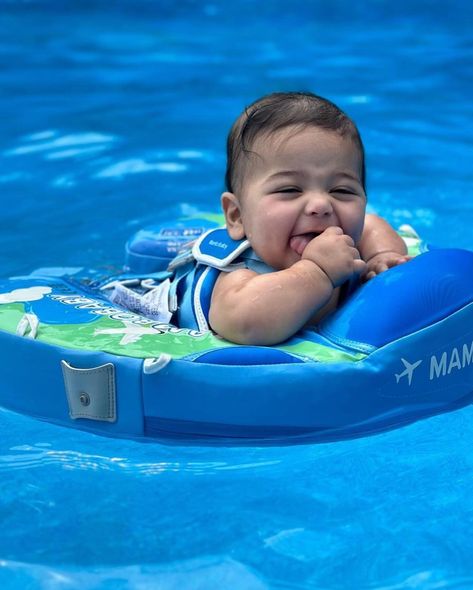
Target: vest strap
{"points": [[217, 249]]}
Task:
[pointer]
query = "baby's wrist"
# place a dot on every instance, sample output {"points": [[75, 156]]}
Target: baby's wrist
{"points": [[316, 269]]}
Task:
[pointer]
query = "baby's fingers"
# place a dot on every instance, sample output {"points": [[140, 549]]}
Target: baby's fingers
{"points": [[359, 266], [371, 270], [390, 262], [380, 267], [368, 276]]}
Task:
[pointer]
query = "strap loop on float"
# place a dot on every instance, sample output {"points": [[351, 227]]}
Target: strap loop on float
{"points": [[153, 365], [28, 326]]}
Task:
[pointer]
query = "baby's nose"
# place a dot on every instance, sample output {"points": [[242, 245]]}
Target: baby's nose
{"points": [[318, 203]]}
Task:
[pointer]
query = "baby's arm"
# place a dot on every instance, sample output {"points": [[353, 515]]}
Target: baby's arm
{"points": [[380, 247], [249, 308]]}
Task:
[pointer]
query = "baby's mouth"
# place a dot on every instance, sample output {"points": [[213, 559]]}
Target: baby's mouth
{"points": [[298, 243]]}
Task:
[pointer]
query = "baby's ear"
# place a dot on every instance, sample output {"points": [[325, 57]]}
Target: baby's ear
{"points": [[231, 209]]}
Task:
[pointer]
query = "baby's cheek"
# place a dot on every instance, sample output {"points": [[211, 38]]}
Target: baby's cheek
{"points": [[357, 223]]}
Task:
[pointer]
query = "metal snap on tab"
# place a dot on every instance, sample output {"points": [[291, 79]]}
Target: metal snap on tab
{"points": [[84, 398]]}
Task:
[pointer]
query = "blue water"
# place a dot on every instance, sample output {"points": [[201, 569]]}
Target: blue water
{"points": [[114, 115]]}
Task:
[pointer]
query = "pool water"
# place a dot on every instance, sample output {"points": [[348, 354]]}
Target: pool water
{"points": [[114, 117]]}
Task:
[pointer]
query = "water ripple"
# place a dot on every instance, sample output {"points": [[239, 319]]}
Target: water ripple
{"points": [[40, 455], [209, 572], [72, 140], [138, 166]]}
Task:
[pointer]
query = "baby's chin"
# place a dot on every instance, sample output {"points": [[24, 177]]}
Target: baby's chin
{"points": [[282, 260], [291, 258]]}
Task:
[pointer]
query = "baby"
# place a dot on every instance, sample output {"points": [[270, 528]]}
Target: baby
{"points": [[296, 190]]}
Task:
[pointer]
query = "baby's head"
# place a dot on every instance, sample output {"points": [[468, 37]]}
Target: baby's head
{"points": [[295, 165], [277, 111]]}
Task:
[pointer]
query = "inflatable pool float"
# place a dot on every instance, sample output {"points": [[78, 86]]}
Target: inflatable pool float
{"points": [[399, 350]]}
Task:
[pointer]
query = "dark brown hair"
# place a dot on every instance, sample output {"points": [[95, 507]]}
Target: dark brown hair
{"points": [[276, 111]]}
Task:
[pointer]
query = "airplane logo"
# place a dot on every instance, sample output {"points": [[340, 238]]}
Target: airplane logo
{"points": [[130, 333], [408, 372]]}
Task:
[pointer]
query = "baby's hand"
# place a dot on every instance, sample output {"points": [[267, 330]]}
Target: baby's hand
{"points": [[381, 262], [335, 253]]}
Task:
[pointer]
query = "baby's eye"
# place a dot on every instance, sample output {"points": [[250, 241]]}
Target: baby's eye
{"points": [[288, 190], [344, 191]]}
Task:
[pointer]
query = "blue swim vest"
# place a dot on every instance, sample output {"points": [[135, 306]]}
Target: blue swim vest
{"points": [[197, 270], [194, 272]]}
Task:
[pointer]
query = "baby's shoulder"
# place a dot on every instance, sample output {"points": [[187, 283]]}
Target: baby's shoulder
{"points": [[232, 281]]}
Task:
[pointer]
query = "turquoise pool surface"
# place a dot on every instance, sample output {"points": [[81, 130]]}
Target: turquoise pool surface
{"points": [[114, 116]]}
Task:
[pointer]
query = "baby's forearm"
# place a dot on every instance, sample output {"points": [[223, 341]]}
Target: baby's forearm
{"points": [[269, 308], [378, 236]]}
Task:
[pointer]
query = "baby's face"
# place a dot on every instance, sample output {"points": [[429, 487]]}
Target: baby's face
{"points": [[300, 183]]}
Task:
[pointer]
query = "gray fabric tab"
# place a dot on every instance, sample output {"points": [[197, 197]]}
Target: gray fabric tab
{"points": [[90, 392]]}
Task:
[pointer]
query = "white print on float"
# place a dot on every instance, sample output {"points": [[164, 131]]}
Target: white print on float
{"points": [[131, 333], [408, 372], [22, 295], [440, 364]]}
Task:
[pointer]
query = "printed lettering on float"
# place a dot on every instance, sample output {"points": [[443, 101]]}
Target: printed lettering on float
{"points": [[440, 364]]}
